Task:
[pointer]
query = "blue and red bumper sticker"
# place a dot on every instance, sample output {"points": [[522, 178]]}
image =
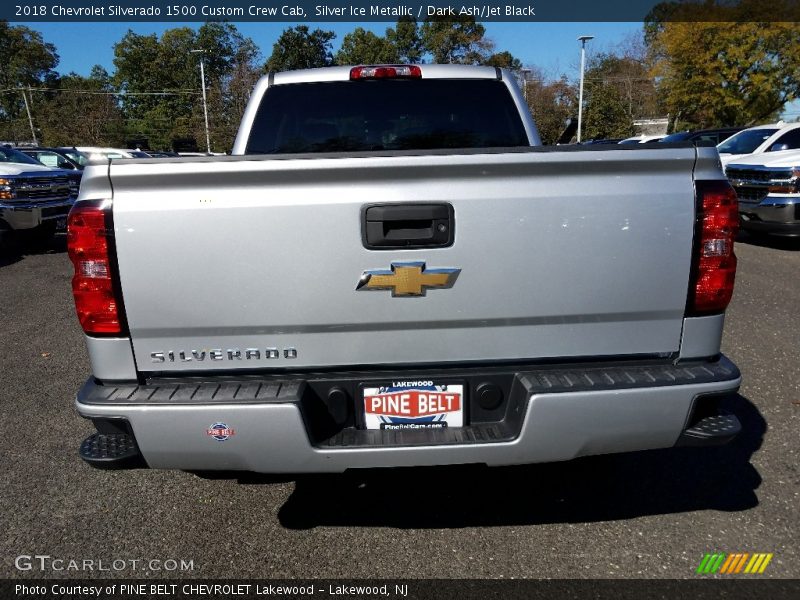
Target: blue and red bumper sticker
{"points": [[220, 432]]}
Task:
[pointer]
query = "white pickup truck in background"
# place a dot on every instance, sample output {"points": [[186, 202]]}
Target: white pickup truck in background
{"points": [[34, 199], [760, 140], [391, 271], [768, 189]]}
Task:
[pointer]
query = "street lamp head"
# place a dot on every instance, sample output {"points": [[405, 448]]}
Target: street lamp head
{"points": [[585, 38]]}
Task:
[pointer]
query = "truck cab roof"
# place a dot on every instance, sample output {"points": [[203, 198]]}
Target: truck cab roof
{"points": [[343, 73], [416, 107]]}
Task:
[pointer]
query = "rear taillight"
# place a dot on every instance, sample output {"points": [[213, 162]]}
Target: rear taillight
{"points": [[93, 285], [386, 72], [713, 260]]}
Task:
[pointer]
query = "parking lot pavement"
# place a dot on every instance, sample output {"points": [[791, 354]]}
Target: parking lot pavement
{"points": [[649, 514]]}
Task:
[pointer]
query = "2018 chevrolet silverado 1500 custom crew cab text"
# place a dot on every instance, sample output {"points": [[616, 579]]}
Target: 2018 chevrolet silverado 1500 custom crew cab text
{"points": [[391, 271]]}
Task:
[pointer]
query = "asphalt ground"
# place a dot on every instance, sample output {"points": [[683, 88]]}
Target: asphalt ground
{"points": [[647, 514]]}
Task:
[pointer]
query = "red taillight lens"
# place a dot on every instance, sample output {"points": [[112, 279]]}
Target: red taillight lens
{"points": [[386, 72], [714, 263], [93, 284]]}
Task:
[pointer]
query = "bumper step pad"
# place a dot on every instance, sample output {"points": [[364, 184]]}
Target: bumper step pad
{"points": [[711, 431], [111, 451]]}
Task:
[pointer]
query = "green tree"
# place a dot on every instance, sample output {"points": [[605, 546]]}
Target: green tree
{"points": [[618, 89], [83, 111], [629, 75], [238, 84], [406, 39], [722, 72], [504, 60], [26, 60], [147, 85], [605, 113], [159, 79], [365, 48], [225, 47], [232, 64], [460, 40], [551, 103], [300, 48]]}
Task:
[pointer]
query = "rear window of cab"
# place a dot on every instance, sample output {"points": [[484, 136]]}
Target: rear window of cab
{"points": [[398, 114]]}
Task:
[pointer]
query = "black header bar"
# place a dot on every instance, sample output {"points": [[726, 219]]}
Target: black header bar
{"points": [[390, 10], [735, 588]]}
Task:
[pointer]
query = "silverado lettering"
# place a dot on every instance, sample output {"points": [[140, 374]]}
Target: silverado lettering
{"points": [[219, 354]]}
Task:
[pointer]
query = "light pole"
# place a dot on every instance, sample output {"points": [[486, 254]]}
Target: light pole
{"points": [[525, 73], [28, 110], [205, 105], [582, 39]]}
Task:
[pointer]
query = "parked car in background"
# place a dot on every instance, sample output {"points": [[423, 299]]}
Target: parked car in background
{"points": [[703, 135], [74, 155], [52, 157], [768, 188], [162, 154], [602, 141], [642, 139], [34, 199], [757, 140], [100, 153]]}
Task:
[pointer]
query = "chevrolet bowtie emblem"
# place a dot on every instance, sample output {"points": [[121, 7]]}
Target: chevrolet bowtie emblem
{"points": [[408, 279]]}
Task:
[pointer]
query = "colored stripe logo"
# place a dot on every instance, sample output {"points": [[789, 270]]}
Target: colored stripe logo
{"points": [[737, 562]]}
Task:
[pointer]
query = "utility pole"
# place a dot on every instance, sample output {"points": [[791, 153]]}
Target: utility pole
{"points": [[205, 104], [30, 119], [582, 39]]}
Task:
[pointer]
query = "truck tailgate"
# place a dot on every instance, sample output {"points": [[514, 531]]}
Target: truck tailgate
{"points": [[561, 254]]}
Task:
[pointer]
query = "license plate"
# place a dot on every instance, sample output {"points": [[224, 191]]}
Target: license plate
{"points": [[413, 404]]}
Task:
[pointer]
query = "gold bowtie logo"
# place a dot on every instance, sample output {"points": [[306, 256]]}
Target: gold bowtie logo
{"points": [[408, 279]]}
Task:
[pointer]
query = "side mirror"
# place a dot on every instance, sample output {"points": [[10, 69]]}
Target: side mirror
{"points": [[65, 164], [778, 147]]}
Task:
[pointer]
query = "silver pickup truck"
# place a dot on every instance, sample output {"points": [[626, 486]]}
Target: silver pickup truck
{"points": [[392, 271]]}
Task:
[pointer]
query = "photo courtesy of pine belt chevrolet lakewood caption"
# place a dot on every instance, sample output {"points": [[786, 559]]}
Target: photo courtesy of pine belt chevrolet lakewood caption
{"points": [[389, 273]]}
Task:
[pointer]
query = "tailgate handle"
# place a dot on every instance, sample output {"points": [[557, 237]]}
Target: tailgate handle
{"points": [[391, 226]]}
